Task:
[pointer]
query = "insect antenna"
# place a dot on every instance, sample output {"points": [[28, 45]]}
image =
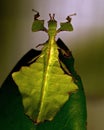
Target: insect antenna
{"points": [[69, 18], [37, 15], [52, 17]]}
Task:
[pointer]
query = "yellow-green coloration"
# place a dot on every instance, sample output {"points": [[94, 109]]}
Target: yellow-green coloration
{"points": [[44, 86]]}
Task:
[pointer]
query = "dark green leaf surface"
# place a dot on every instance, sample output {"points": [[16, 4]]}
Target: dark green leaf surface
{"points": [[72, 115]]}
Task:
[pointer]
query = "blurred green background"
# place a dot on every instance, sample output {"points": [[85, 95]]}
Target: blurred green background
{"points": [[85, 42]]}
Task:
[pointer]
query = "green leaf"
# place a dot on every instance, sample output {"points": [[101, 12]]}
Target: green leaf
{"points": [[72, 116], [11, 109], [44, 86]]}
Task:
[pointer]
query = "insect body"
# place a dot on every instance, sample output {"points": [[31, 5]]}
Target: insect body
{"points": [[43, 85]]}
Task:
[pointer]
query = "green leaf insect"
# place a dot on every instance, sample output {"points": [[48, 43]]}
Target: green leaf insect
{"points": [[44, 85]]}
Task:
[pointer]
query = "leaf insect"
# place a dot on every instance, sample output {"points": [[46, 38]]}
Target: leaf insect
{"points": [[44, 86]]}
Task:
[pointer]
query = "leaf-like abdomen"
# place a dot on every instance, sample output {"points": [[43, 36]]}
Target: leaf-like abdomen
{"points": [[44, 85], [28, 80]]}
